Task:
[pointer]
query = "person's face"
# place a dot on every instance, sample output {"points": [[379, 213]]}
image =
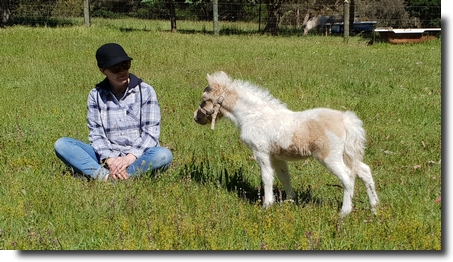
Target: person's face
{"points": [[118, 74]]}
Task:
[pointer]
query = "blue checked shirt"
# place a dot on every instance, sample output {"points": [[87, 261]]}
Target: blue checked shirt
{"points": [[128, 125]]}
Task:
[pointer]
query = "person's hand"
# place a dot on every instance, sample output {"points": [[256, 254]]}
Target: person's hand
{"points": [[118, 165], [117, 168], [121, 174]]}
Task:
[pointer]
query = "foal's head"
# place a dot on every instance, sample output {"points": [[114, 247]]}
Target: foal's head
{"points": [[203, 115], [212, 99]]}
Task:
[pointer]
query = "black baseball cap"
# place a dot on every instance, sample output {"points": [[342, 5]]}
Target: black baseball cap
{"points": [[111, 54]]}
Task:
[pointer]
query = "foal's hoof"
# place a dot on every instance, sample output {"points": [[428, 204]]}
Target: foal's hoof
{"points": [[267, 204], [344, 213], [374, 211]]}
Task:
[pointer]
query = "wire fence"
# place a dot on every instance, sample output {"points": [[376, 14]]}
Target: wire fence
{"points": [[290, 14]]}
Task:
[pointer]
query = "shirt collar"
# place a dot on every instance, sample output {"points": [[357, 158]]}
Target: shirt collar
{"points": [[134, 81]]}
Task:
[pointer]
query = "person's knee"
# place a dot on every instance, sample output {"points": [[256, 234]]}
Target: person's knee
{"points": [[167, 155], [60, 143], [163, 159]]}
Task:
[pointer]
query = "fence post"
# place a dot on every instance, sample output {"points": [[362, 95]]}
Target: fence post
{"points": [[346, 21], [215, 11], [86, 11]]}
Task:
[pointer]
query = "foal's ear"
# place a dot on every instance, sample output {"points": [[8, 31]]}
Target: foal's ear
{"points": [[224, 74], [209, 78]]}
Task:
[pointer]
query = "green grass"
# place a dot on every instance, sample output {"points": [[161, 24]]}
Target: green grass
{"points": [[210, 196]]}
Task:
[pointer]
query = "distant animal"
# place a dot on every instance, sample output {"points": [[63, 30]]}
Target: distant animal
{"points": [[276, 134], [320, 22]]}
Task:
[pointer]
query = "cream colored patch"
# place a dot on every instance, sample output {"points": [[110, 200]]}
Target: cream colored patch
{"points": [[332, 121], [310, 138]]}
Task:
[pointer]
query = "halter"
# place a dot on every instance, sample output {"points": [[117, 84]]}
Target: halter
{"points": [[214, 111]]}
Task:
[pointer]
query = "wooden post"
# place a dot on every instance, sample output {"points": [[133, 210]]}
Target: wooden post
{"points": [[215, 11], [374, 35], [86, 11], [346, 21]]}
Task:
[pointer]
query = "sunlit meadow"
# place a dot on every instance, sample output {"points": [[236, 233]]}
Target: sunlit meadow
{"points": [[210, 198]]}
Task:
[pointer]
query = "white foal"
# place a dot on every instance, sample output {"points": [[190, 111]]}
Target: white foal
{"points": [[276, 135]]}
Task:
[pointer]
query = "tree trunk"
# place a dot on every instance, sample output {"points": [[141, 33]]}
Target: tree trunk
{"points": [[346, 21], [215, 16], [273, 16], [86, 12], [5, 10], [171, 7], [298, 18]]}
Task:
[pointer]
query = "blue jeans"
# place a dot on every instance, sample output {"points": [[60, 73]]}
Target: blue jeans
{"points": [[84, 160]]}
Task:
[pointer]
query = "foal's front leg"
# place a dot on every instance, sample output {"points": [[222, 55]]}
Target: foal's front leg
{"points": [[267, 176], [281, 168]]}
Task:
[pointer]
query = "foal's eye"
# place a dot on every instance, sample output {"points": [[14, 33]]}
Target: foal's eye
{"points": [[207, 89]]}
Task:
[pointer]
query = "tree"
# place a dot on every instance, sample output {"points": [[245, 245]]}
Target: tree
{"points": [[170, 5], [273, 16], [385, 12], [427, 11], [27, 10], [45, 7], [5, 9]]}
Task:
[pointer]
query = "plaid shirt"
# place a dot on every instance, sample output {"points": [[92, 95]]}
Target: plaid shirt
{"points": [[128, 125]]}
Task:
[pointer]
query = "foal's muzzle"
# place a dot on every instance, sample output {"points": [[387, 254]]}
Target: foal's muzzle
{"points": [[202, 117]]}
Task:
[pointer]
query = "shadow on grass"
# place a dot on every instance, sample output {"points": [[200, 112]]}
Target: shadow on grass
{"points": [[238, 31], [204, 31], [225, 31], [43, 22], [283, 32], [201, 172]]}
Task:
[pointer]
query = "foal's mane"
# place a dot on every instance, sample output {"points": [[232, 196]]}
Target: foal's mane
{"points": [[252, 92]]}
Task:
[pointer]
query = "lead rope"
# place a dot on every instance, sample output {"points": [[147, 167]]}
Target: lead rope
{"points": [[216, 110]]}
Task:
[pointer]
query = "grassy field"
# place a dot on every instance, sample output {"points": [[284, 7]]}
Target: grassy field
{"points": [[209, 199]]}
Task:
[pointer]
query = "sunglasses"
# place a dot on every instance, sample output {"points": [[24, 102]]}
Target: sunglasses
{"points": [[120, 67]]}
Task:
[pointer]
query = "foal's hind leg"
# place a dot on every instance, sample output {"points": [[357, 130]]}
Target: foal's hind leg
{"points": [[365, 175], [281, 168], [336, 165]]}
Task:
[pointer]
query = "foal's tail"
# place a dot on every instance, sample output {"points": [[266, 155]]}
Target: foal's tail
{"points": [[354, 147]]}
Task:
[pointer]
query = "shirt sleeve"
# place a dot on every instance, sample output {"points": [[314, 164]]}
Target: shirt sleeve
{"points": [[150, 126], [97, 135]]}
